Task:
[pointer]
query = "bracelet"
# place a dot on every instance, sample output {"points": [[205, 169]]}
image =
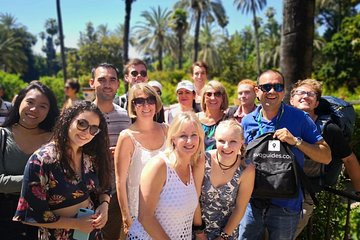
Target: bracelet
{"points": [[104, 201], [199, 229], [224, 235]]}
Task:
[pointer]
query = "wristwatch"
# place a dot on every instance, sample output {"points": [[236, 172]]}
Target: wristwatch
{"points": [[298, 141]]}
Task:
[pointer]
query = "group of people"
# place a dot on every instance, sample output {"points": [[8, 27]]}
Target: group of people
{"points": [[152, 172]]}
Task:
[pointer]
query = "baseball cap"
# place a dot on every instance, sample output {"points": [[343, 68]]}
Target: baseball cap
{"points": [[185, 84], [155, 83]]}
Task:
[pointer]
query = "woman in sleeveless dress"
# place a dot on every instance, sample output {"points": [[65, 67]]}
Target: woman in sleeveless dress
{"points": [[27, 128], [144, 139], [226, 186], [168, 196]]}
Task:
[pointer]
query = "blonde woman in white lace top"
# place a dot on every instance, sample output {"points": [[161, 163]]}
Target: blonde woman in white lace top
{"points": [[168, 196]]}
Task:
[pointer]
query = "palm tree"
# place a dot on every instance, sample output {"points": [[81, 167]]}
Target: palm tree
{"points": [[179, 26], [103, 30], [127, 29], [153, 33], [209, 39], [252, 5], [61, 38], [297, 41], [204, 11]]}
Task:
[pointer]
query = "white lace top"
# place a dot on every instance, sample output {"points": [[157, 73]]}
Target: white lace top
{"points": [[175, 209], [137, 162]]}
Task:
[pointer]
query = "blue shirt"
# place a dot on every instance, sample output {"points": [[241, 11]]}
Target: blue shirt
{"points": [[298, 123]]}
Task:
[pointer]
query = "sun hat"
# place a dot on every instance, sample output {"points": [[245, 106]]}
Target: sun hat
{"points": [[185, 84]]}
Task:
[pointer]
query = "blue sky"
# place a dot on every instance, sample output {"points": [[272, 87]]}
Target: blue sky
{"points": [[76, 13]]}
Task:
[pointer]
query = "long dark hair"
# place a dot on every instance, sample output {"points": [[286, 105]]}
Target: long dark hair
{"points": [[52, 115], [97, 148]]}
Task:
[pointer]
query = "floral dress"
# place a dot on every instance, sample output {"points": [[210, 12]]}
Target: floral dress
{"points": [[46, 188], [218, 203]]}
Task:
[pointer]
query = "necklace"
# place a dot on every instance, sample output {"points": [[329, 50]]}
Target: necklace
{"points": [[224, 167], [26, 127]]}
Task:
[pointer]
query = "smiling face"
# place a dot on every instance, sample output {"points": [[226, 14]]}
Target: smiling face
{"points": [[199, 77], [187, 140], [246, 95], [79, 138], [304, 98], [33, 108], [185, 97], [270, 100], [106, 83], [213, 99], [146, 110], [228, 142]]}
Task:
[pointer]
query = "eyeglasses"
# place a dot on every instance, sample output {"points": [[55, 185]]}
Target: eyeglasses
{"points": [[151, 100], [83, 125], [278, 87], [136, 73], [216, 94], [302, 93]]}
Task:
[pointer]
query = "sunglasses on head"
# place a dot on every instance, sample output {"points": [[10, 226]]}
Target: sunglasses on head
{"points": [[136, 73], [278, 87], [151, 100], [83, 125], [216, 94]]}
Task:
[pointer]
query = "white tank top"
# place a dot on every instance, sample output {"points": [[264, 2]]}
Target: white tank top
{"points": [[175, 209], [138, 160]]}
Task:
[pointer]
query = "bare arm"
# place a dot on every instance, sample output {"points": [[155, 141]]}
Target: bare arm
{"points": [[319, 151], [101, 211], [246, 185], [352, 167], [152, 181], [123, 152]]}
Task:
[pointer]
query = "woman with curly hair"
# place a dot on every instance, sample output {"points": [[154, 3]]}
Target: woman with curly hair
{"points": [[60, 176], [28, 126]]}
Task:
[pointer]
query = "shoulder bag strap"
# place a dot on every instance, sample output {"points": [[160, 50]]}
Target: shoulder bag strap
{"points": [[3, 135]]}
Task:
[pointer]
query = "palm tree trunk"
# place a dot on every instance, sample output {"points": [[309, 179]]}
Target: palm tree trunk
{"points": [[197, 32], [297, 41], [256, 41], [160, 50], [180, 51], [62, 48], [126, 35]]}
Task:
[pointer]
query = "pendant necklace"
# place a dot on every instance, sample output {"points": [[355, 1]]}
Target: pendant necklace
{"points": [[224, 167]]}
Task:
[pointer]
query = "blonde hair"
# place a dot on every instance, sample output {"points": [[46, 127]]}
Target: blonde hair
{"points": [[176, 127], [147, 90], [234, 127], [218, 87]]}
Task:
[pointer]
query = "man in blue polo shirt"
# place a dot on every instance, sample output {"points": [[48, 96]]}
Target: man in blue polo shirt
{"points": [[279, 216]]}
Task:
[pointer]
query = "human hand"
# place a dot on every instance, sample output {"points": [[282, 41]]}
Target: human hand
{"points": [[85, 224], [285, 135], [201, 236], [127, 224], [101, 216], [112, 150]]}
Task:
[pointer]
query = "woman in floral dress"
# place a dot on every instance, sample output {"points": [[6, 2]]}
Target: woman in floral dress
{"points": [[226, 186], [60, 176]]}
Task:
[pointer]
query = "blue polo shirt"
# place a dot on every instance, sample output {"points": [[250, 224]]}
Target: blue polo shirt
{"points": [[298, 123]]}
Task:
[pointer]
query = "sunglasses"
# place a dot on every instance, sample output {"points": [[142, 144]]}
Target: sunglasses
{"points": [[83, 125], [151, 100], [278, 87], [136, 73], [216, 94], [302, 93]]}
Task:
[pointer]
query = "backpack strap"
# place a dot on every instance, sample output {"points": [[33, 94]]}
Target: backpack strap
{"points": [[305, 183]]}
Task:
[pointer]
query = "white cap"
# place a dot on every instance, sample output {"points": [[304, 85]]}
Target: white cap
{"points": [[155, 83], [185, 84]]}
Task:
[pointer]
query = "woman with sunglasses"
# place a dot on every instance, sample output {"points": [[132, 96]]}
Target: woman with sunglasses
{"points": [[168, 196], [144, 139], [214, 102], [60, 176], [28, 126], [72, 87]]}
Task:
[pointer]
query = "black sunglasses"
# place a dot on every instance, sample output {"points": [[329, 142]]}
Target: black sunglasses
{"points": [[216, 94], [142, 101], [278, 87], [136, 73], [83, 125]]}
